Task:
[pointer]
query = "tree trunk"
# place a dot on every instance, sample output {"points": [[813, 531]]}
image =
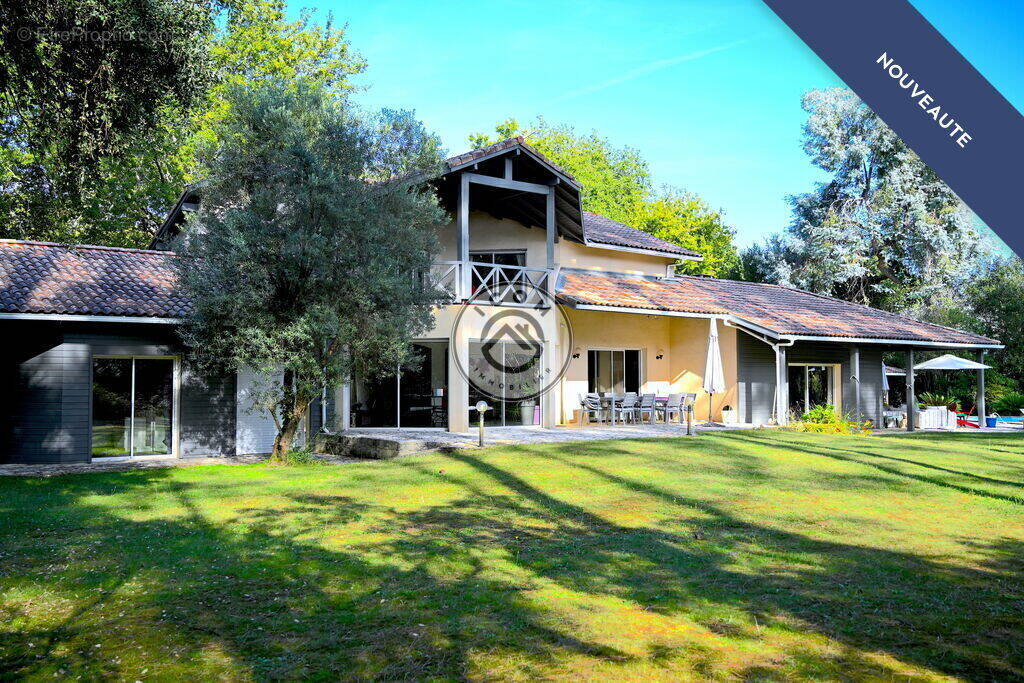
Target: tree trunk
{"points": [[286, 435]]}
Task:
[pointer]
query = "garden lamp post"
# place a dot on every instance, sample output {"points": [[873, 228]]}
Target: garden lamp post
{"points": [[481, 408]]}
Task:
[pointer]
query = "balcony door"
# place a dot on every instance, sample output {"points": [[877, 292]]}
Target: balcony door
{"points": [[133, 406]]}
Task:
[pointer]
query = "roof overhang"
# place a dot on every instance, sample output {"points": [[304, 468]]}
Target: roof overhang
{"points": [[736, 321], [60, 317], [649, 252], [897, 342], [724, 316], [516, 149]]}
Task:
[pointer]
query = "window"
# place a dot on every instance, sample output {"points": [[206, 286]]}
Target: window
{"points": [[517, 259], [811, 386], [132, 406], [613, 370], [500, 258]]}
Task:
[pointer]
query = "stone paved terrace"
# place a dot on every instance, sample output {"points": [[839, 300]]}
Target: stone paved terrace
{"points": [[391, 443]]}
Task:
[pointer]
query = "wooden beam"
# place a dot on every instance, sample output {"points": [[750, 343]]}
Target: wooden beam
{"points": [[552, 228], [506, 184], [508, 168], [981, 391], [463, 245], [911, 396], [855, 377]]}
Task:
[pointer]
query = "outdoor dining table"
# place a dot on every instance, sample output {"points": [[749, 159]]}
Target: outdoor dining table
{"points": [[606, 403]]}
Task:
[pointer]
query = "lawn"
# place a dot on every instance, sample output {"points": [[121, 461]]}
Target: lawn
{"points": [[751, 554]]}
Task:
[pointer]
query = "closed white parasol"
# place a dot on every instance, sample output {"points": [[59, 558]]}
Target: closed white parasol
{"points": [[714, 375]]}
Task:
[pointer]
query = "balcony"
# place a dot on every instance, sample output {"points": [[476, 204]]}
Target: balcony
{"points": [[495, 285]]}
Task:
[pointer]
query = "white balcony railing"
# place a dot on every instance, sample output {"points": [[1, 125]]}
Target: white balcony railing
{"points": [[445, 275], [498, 285]]}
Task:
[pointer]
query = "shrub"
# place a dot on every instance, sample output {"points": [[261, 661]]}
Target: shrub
{"points": [[822, 415], [825, 420], [1012, 402], [301, 457], [934, 399]]}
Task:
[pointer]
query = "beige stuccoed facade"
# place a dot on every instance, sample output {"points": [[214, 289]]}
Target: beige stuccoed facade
{"points": [[672, 349]]}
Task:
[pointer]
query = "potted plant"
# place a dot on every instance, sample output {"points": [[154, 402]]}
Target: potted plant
{"points": [[526, 412], [728, 415], [935, 410]]}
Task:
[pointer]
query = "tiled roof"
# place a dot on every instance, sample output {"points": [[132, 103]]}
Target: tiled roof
{"points": [[782, 310], [606, 231], [509, 143], [41, 277]]}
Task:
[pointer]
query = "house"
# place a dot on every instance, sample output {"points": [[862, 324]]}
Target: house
{"points": [[95, 369]]}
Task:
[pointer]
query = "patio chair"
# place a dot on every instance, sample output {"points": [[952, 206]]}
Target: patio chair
{"points": [[674, 405], [623, 407], [590, 405], [646, 407]]}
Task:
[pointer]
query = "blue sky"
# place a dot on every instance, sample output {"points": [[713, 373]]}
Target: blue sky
{"points": [[708, 90]]}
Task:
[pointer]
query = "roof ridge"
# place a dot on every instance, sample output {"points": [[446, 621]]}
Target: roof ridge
{"points": [[500, 146], [97, 247]]}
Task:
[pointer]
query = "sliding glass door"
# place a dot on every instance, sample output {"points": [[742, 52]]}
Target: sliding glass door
{"points": [[811, 386], [132, 406], [413, 397], [507, 376], [613, 370]]}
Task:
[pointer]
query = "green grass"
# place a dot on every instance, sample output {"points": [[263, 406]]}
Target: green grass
{"points": [[752, 555]]}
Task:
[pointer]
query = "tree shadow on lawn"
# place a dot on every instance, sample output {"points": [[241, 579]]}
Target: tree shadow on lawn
{"points": [[277, 607], [952, 619], [961, 481], [434, 588]]}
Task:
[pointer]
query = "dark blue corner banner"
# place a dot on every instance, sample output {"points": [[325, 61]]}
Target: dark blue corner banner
{"points": [[939, 104]]}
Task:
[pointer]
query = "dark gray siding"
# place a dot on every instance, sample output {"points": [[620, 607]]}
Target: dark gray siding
{"points": [[755, 370], [756, 375], [33, 415], [207, 407], [47, 399]]}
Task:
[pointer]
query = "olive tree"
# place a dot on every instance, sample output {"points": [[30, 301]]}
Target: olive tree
{"points": [[308, 253]]}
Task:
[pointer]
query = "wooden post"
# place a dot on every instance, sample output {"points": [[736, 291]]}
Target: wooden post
{"points": [[781, 388], [855, 378], [463, 243], [343, 403], [552, 227], [981, 390], [911, 396]]}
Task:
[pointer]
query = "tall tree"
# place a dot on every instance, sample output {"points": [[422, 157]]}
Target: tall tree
{"points": [[883, 230], [990, 301], [617, 184], [303, 256], [78, 83], [120, 193]]}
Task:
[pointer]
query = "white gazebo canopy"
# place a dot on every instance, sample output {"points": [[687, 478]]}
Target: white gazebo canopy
{"points": [[951, 362]]}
